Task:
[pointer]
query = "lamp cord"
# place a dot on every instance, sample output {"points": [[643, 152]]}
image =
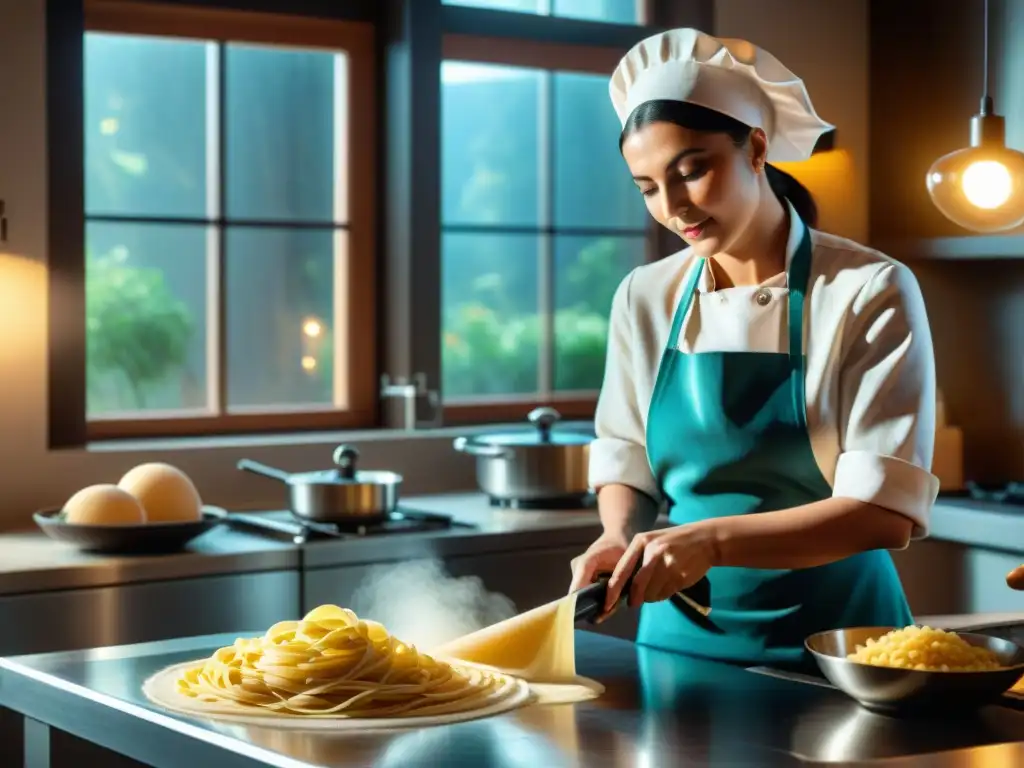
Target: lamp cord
{"points": [[986, 98]]}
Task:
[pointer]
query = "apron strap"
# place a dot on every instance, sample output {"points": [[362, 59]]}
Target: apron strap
{"points": [[799, 273], [684, 303]]}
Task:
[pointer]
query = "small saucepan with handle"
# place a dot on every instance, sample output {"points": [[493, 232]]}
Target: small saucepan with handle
{"points": [[343, 494]]}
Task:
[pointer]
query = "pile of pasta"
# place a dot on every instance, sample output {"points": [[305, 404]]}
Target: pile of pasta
{"points": [[332, 664], [925, 648]]}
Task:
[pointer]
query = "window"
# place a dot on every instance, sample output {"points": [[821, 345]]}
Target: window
{"points": [[540, 223], [228, 233], [614, 11], [257, 250]]}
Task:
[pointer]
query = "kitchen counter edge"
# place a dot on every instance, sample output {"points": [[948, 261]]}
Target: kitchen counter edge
{"points": [[30, 562]]}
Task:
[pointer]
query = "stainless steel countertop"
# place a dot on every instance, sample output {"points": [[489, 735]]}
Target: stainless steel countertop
{"points": [[659, 709], [32, 562]]}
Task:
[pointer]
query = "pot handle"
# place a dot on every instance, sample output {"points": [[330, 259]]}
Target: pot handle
{"points": [[544, 418], [345, 457], [462, 445], [256, 468]]}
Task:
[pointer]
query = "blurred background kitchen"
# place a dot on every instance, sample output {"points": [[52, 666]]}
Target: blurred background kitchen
{"points": [[394, 224]]}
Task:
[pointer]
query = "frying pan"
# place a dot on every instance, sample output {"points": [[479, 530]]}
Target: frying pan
{"points": [[342, 494]]}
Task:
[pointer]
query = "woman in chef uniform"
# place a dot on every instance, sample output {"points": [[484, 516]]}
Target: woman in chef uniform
{"points": [[773, 384]]}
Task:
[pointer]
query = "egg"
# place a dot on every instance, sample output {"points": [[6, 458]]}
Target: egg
{"points": [[165, 492], [104, 504]]}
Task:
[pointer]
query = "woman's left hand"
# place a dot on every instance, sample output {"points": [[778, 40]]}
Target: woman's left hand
{"points": [[673, 559]]}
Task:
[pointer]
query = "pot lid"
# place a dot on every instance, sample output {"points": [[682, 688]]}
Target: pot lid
{"points": [[543, 419], [345, 473]]}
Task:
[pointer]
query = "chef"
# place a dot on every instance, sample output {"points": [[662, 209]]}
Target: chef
{"points": [[772, 384]]}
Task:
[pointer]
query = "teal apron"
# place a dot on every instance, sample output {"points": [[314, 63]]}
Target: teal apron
{"points": [[727, 435]]}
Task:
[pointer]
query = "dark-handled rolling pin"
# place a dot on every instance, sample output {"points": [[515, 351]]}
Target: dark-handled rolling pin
{"points": [[590, 599]]}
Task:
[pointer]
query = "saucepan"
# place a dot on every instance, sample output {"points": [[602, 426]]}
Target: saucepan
{"points": [[343, 494], [530, 464]]}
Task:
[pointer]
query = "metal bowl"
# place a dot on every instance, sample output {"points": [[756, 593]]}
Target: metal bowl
{"points": [[888, 688]]}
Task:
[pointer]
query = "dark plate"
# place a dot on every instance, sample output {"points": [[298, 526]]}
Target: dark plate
{"points": [[151, 538]]}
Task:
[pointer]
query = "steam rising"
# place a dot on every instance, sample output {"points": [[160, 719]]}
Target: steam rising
{"points": [[420, 603]]}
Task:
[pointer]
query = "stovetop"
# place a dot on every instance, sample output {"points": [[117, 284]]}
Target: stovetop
{"points": [[282, 524], [1011, 494]]}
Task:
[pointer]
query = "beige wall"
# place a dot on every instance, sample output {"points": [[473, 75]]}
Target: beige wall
{"points": [[825, 42]]}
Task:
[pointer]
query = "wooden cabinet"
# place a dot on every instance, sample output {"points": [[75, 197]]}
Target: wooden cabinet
{"points": [[926, 83]]}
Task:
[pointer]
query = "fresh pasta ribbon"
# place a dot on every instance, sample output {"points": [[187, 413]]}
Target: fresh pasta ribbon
{"points": [[333, 664]]}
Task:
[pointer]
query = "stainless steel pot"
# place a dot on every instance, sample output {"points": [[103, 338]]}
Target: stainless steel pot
{"points": [[340, 495], [531, 464]]}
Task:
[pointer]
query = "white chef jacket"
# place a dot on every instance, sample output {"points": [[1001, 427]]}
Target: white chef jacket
{"points": [[870, 368]]}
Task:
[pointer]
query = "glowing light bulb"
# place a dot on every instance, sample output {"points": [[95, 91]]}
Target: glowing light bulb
{"points": [[308, 363], [312, 328], [981, 188], [987, 183]]}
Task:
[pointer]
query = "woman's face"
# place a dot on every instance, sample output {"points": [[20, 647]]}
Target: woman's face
{"points": [[702, 186]]}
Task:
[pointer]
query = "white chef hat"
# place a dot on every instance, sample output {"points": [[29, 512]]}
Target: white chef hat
{"points": [[730, 76]]}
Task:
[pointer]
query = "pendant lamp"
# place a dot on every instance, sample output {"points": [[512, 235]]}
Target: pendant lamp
{"points": [[981, 188]]}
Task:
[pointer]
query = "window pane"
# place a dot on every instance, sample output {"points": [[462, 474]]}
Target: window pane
{"points": [[592, 184], [145, 126], [489, 304], [145, 294], [618, 11], [489, 144], [280, 316], [280, 127], [587, 272], [523, 6]]}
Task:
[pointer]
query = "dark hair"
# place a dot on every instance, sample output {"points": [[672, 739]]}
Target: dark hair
{"points": [[698, 118]]}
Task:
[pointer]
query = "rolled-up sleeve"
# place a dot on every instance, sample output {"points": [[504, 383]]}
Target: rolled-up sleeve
{"points": [[887, 400], [619, 454]]}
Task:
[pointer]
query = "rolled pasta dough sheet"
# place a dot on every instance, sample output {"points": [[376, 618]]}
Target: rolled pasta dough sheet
{"points": [[538, 646]]}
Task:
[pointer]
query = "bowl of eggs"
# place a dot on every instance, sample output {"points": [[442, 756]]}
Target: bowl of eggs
{"points": [[893, 669], [154, 508]]}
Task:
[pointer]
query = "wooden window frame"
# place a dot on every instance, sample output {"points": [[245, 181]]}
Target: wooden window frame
{"points": [[355, 311], [421, 34], [394, 238], [552, 58]]}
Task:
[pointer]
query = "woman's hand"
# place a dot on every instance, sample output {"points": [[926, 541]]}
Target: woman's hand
{"points": [[672, 560], [601, 557]]}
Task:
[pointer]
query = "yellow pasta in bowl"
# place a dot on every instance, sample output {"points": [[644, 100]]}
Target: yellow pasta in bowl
{"points": [[927, 649]]}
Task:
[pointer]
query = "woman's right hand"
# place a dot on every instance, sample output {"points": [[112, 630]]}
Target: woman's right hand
{"points": [[601, 557]]}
